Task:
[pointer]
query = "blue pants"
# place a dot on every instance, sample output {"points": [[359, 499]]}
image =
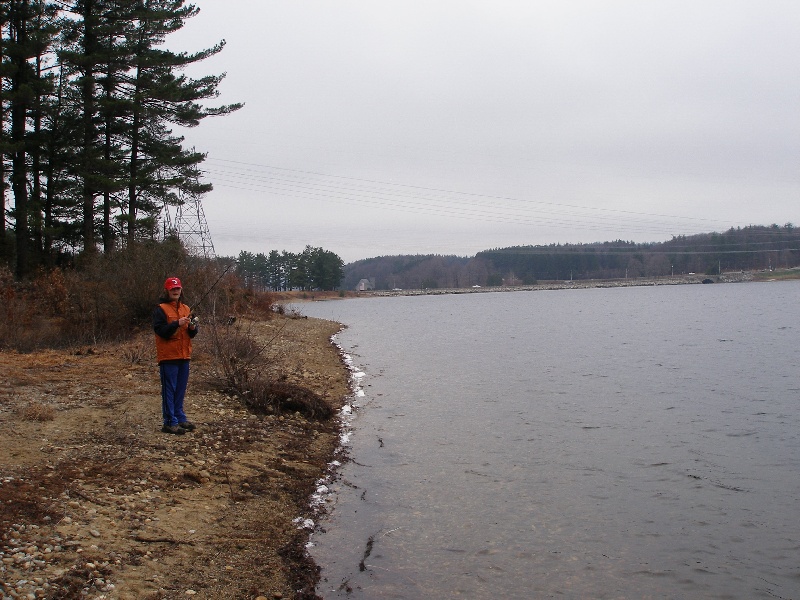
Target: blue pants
{"points": [[174, 379]]}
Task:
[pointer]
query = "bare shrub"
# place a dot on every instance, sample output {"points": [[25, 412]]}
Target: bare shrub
{"points": [[256, 304], [36, 411], [108, 296], [264, 305], [143, 270], [28, 318], [11, 306], [213, 286], [244, 367], [51, 292], [236, 350], [268, 397], [112, 292], [136, 353]]}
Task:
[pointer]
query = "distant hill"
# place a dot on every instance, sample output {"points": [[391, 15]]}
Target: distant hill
{"points": [[407, 271], [750, 248]]}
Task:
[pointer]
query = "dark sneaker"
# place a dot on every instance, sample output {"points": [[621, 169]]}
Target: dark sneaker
{"points": [[187, 426], [174, 429]]}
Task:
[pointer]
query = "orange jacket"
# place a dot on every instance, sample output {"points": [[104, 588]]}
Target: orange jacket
{"points": [[173, 342]]}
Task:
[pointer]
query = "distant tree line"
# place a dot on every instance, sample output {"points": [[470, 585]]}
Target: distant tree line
{"points": [[311, 269], [88, 99], [742, 248]]}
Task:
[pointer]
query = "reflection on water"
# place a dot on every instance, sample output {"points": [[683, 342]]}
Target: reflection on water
{"points": [[609, 443]]}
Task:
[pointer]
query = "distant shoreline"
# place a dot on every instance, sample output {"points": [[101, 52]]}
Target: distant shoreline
{"points": [[574, 284], [730, 277]]}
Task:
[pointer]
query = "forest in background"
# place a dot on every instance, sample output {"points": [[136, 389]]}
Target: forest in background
{"points": [[751, 248], [311, 269]]}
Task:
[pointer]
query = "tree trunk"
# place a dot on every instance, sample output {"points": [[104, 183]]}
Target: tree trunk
{"points": [[87, 91], [133, 175], [136, 123], [35, 151], [50, 190], [3, 187], [20, 82]]}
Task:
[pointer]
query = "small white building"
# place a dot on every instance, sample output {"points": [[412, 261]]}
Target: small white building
{"points": [[365, 285]]}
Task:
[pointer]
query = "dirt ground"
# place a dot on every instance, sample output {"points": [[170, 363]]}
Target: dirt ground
{"points": [[96, 502]]}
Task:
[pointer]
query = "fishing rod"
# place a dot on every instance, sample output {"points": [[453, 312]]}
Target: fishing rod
{"points": [[192, 315]]}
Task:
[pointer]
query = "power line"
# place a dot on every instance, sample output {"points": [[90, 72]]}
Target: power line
{"points": [[466, 194], [437, 205]]}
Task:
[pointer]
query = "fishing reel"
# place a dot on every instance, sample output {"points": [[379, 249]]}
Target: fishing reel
{"points": [[194, 320]]}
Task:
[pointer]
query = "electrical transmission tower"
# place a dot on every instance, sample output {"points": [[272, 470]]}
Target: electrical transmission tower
{"points": [[187, 221]]}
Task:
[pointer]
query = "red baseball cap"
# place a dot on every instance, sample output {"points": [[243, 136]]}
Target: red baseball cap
{"points": [[172, 283]]}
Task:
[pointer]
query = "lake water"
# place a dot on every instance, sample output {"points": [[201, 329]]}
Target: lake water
{"points": [[602, 443]]}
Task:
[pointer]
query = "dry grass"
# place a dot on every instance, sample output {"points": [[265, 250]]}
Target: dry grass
{"points": [[36, 411], [137, 352]]}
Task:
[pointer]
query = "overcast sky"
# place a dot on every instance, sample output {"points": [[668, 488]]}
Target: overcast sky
{"points": [[376, 127]]}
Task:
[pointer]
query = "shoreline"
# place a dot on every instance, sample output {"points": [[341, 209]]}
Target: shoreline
{"points": [[576, 284], [300, 297]]}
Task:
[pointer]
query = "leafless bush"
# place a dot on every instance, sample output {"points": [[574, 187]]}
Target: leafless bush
{"points": [[245, 367], [113, 292], [269, 397], [31, 314], [252, 303], [107, 296], [36, 411], [212, 289], [135, 353], [11, 323], [236, 350]]}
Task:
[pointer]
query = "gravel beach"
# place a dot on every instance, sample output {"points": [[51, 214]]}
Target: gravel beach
{"points": [[96, 502]]}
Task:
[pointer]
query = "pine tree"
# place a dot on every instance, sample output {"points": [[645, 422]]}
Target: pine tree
{"points": [[160, 97], [117, 56], [89, 164], [28, 28], [43, 34]]}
